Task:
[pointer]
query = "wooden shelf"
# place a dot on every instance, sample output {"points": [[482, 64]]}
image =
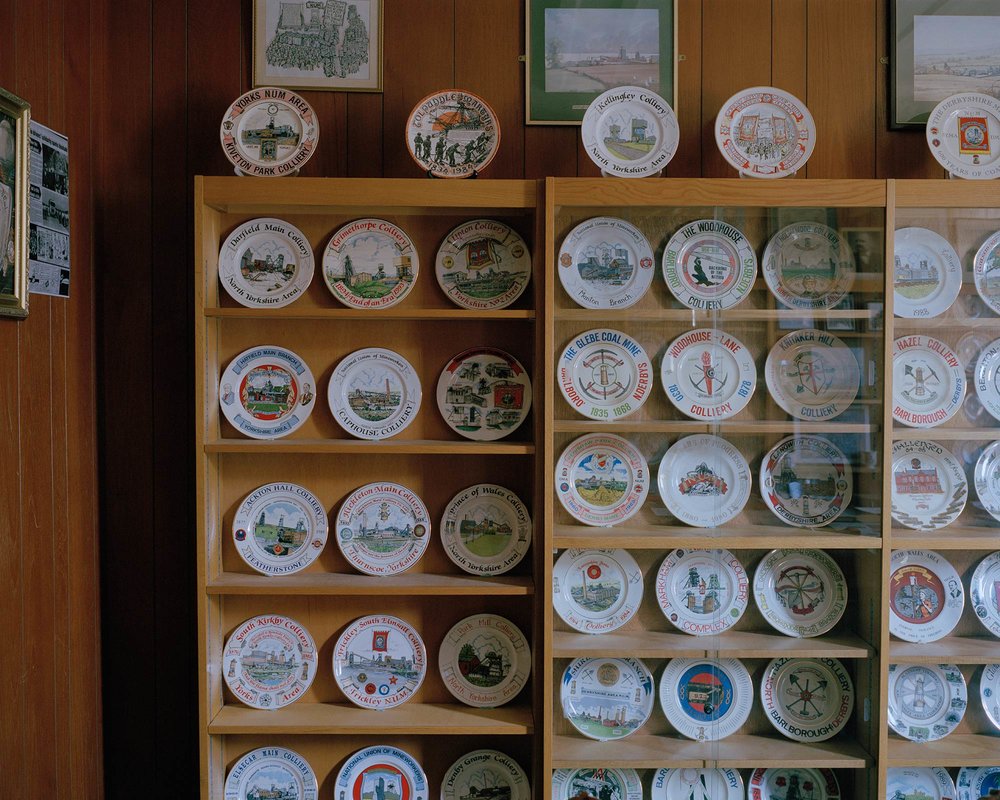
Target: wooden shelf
{"points": [[668, 537], [731, 644], [963, 323], [725, 426], [349, 720], [949, 650], [702, 318], [944, 434], [951, 537], [735, 752], [360, 447], [326, 583], [956, 750], [360, 315]]}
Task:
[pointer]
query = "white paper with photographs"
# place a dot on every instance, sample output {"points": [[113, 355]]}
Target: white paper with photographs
{"points": [[48, 230]]}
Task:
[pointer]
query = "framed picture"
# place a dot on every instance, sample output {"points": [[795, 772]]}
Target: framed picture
{"points": [[868, 247], [578, 49], [841, 323], [334, 45], [940, 48], [14, 122]]}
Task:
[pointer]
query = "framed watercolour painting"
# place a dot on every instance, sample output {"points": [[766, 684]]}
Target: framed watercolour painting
{"points": [[579, 49], [14, 122], [334, 45], [940, 48]]}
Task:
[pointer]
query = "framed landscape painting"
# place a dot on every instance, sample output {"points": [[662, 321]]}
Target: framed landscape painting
{"points": [[578, 49]]}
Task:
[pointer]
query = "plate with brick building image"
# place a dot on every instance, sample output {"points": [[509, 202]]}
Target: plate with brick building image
{"points": [[484, 394]]}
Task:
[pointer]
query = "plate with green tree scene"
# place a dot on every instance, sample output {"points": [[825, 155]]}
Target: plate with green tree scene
{"points": [[486, 529], [370, 264], [280, 528], [484, 660]]}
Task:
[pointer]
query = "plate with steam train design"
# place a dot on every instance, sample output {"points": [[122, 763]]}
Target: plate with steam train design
{"points": [[604, 374], [704, 480], [601, 479], [986, 272], [374, 393], [926, 701], [925, 596], [267, 392], [607, 698], [629, 132], [382, 771], [379, 661], [703, 784], [807, 699], [708, 374], [483, 265], [271, 769], [280, 528], [929, 488], [928, 381], [485, 773], [605, 262], [269, 661], [596, 591], [486, 529], [484, 660], [927, 275], [919, 783], [800, 593], [370, 264], [266, 263], [594, 783], [706, 699], [792, 783], [709, 264], [702, 592], [974, 783], [812, 375], [984, 592], [383, 528], [808, 266], [806, 481], [269, 132], [484, 394], [963, 134]]}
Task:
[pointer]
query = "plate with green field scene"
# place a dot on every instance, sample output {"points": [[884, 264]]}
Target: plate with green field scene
{"points": [[484, 660], [483, 265], [486, 529], [280, 528], [630, 132], [370, 264], [267, 392]]}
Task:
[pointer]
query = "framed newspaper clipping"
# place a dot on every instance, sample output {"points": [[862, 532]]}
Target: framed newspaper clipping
{"points": [[14, 120]]}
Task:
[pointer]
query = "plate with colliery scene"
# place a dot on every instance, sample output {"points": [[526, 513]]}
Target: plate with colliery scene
{"points": [[607, 698], [484, 394], [269, 661], [370, 264], [269, 132], [808, 266], [267, 392], [280, 528], [483, 265], [379, 661], [605, 263], [596, 591], [374, 393], [484, 660], [383, 528], [486, 529], [601, 479], [265, 263]]}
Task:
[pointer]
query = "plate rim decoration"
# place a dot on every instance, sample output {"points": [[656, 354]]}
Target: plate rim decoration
{"points": [[969, 777], [229, 269], [722, 619], [958, 689], [841, 466], [927, 561], [261, 95], [979, 270], [360, 626], [409, 383], [520, 535], [387, 491], [838, 589], [776, 712], [758, 781], [517, 373], [946, 462], [443, 94], [451, 674], [455, 240], [730, 722], [746, 375], [235, 788], [908, 343], [395, 756], [520, 789], [987, 361], [940, 113], [624, 510], [638, 670], [584, 346], [364, 225], [630, 603], [245, 541], [842, 284], [987, 616], [658, 157], [948, 288], [989, 680], [291, 630], [944, 785], [837, 403], [673, 500], [628, 776], [663, 777], [746, 271], [989, 457]]}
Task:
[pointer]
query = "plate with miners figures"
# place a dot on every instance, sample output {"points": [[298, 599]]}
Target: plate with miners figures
{"points": [[806, 481], [812, 375], [370, 264], [484, 660], [486, 529], [452, 134], [267, 392], [483, 265], [484, 394], [266, 263], [926, 596]]}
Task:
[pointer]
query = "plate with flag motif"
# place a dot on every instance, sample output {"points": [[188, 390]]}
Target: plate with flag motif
{"points": [[704, 480], [379, 661], [483, 265], [926, 596]]}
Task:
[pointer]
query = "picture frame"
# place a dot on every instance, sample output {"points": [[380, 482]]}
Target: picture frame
{"points": [[868, 247], [567, 63], [325, 45], [842, 323], [15, 119], [923, 33]]}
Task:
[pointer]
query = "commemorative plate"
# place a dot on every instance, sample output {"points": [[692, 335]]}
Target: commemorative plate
{"points": [[986, 272], [630, 132], [974, 783], [704, 480], [604, 374], [808, 266], [984, 592], [703, 784], [383, 529], [926, 701], [381, 772], [963, 133], [596, 591], [269, 132], [379, 661], [801, 593], [929, 488], [928, 381], [987, 479], [271, 769], [605, 262], [793, 783], [484, 774], [601, 479], [812, 375], [482, 265], [708, 374], [927, 275], [807, 699], [452, 134], [765, 132], [374, 393], [267, 392], [484, 394], [607, 698], [269, 661], [709, 264], [486, 529], [706, 699], [919, 783], [925, 596], [806, 481], [986, 378], [594, 783], [265, 263], [280, 528], [370, 264], [989, 693], [702, 592], [484, 660]]}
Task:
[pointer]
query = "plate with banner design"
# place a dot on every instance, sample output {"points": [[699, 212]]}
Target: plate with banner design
{"points": [[704, 480], [706, 699], [929, 488], [374, 393], [928, 381], [271, 769], [987, 479], [986, 272], [808, 266], [630, 132], [604, 374], [702, 592], [963, 134], [280, 528], [484, 660], [269, 661], [793, 783], [267, 392], [484, 394], [708, 374], [807, 699], [806, 481], [487, 773], [486, 529], [596, 591], [984, 592], [269, 132], [926, 701], [927, 275], [370, 264], [974, 783], [709, 264], [380, 770], [605, 262], [594, 783], [926, 597], [812, 375], [601, 479], [989, 693], [800, 593], [452, 133], [383, 528], [919, 783], [986, 377], [483, 265], [266, 263], [607, 698], [379, 661], [703, 784]]}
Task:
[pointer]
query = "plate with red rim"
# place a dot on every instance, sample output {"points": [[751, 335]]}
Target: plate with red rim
{"points": [[269, 661], [383, 528], [708, 374], [926, 701], [788, 783], [927, 275], [963, 134], [379, 770], [486, 529], [483, 265], [812, 375], [280, 528], [484, 394], [928, 381], [269, 769], [266, 263], [484, 660], [593, 783], [704, 480], [925, 783], [929, 488], [687, 782], [379, 661], [807, 699], [630, 132], [702, 592], [269, 132], [989, 693], [709, 264], [452, 133], [607, 699], [605, 263], [806, 481], [370, 264], [984, 592], [267, 392], [604, 374], [596, 591], [926, 596], [374, 393], [808, 266], [987, 479], [986, 378], [706, 699], [601, 479], [801, 593], [986, 272], [472, 774]]}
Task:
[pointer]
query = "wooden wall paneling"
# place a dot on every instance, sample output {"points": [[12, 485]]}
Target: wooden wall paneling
{"points": [[789, 31], [364, 135], [550, 150], [488, 40], [686, 162]]}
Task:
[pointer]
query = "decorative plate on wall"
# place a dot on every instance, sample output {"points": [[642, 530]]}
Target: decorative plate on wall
{"points": [[929, 488], [383, 528], [452, 134], [267, 392], [963, 133], [709, 264], [986, 378], [280, 528], [379, 661], [601, 479], [926, 783], [605, 263], [791, 783], [974, 783], [708, 374], [989, 693], [630, 132], [806, 481], [927, 275], [928, 381], [269, 132], [812, 375], [607, 698], [709, 784], [370, 264], [486, 529], [374, 393], [596, 591], [984, 592], [926, 701], [987, 479], [484, 660], [269, 661], [484, 394], [986, 272], [269, 769], [604, 374], [621, 783], [265, 263], [483, 265], [808, 266], [702, 592], [926, 597]]}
